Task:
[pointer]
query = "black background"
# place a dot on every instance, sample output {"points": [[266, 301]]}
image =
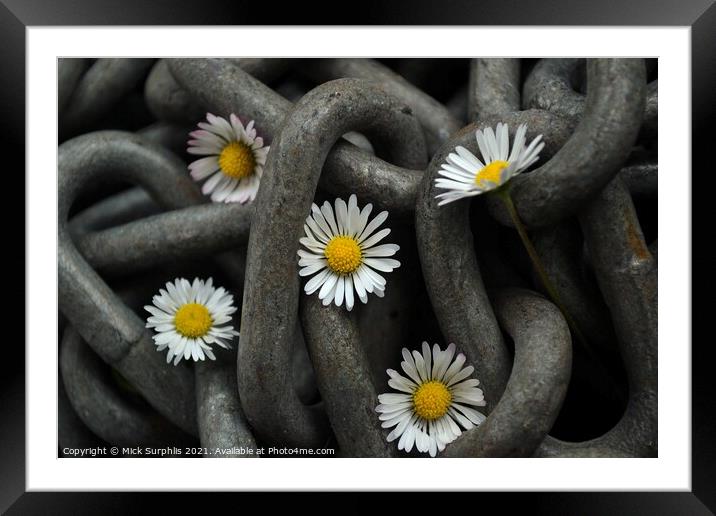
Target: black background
{"points": [[15, 15]]}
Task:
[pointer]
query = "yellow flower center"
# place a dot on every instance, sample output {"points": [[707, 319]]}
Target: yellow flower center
{"points": [[432, 400], [237, 160], [491, 173], [193, 320], [343, 254]]}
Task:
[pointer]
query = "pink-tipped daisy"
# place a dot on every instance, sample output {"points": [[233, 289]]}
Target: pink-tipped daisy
{"points": [[234, 162]]}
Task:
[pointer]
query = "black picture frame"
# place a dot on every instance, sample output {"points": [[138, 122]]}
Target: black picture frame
{"points": [[17, 15]]}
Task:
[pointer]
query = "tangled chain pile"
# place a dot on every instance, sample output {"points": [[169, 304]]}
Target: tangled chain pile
{"points": [[306, 371]]}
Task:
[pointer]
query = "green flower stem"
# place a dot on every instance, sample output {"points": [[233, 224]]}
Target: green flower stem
{"points": [[504, 194]]}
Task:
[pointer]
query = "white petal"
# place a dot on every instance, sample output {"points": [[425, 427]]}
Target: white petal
{"points": [[392, 397], [348, 290], [382, 264], [328, 285], [461, 375], [327, 211], [469, 157], [316, 281], [312, 269], [454, 367], [428, 358], [342, 216], [373, 225], [377, 237]]}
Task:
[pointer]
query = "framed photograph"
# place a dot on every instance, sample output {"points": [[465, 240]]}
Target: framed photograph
{"points": [[356, 250]]}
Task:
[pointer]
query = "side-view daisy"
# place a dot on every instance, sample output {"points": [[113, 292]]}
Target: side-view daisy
{"points": [[465, 175], [234, 155], [432, 400], [342, 252], [188, 317]]}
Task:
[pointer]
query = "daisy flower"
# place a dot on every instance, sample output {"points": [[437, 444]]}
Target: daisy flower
{"points": [[432, 404], [464, 175], [188, 317], [342, 252], [234, 155]]}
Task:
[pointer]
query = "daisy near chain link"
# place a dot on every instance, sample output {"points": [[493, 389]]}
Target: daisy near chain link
{"points": [[342, 254], [432, 403], [234, 158], [189, 317], [465, 175]]}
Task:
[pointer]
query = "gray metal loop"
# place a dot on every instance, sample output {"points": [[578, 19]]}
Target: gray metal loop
{"points": [[344, 379], [221, 420], [438, 122], [553, 85], [163, 238], [494, 87], [627, 276], [100, 404], [69, 72], [537, 385], [595, 152], [271, 293], [100, 88], [642, 179], [168, 101]]}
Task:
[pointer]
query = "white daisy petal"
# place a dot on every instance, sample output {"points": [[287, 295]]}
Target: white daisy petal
{"points": [[459, 177], [393, 398], [312, 269], [359, 288], [384, 250], [454, 367], [348, 291], [503, 140], [339, 291], [375, 238], [519, 143], [461, 162], [363, 219], [331, 295], [473, 415], [342, 216], [469, 157], [461, 375], [382, 264], [428, 359], [328, 286], [327, 211], [373, 225]]}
